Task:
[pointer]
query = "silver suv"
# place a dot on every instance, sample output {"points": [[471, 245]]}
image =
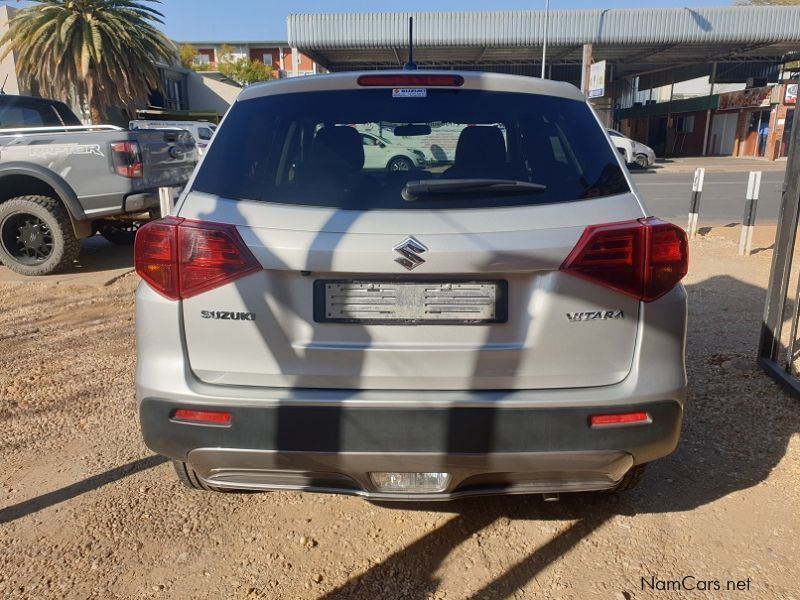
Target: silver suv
{"points": [[510, 322]]}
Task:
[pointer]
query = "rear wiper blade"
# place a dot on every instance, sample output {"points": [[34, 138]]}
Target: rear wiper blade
{"points": [[414, 190]]}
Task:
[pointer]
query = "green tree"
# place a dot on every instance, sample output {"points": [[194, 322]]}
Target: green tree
{"points": [[104, 50], [244, 71], [186, 54]]}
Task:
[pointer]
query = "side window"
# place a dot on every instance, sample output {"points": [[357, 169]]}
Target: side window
{"points": [[204, 133], [368, 140]]}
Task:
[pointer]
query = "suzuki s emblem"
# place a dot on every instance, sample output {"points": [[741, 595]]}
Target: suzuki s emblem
{"points": [[410, 251]]}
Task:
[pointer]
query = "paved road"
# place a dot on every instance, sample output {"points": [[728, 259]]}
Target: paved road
{"points": [[722, 202]]}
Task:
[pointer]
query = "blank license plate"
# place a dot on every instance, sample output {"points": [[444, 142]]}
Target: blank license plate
{"points": [[415, 302]]}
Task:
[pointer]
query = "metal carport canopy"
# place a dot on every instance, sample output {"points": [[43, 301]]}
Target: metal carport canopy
{"points": [[635, 41]]}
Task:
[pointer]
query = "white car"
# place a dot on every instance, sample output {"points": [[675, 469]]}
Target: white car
{"points": [[380, 153], [635, 153], [202, 131]]}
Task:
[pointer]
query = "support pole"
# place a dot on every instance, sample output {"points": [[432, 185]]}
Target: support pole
{"points": [[694, 206], [586, 65], [166, 201], [713, 80], [749, 219], [546, 28]]}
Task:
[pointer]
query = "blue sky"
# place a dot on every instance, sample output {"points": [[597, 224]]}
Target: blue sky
{"points": [[232, 20]]}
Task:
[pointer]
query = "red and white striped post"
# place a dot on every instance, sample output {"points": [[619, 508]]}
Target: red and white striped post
{"points": [[749, 219], [694, 207]]}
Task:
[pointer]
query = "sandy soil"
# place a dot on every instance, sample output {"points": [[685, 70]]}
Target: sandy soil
{"points": [[86, 511]]}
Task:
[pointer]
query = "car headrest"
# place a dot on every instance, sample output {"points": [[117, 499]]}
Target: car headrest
{"points": [[338, 148], [481, 145]]}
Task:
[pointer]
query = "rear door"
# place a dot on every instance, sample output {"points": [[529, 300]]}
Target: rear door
{"points": [[361, 289]]}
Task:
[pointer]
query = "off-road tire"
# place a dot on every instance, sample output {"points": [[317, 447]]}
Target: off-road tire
{"points": [[631, 479], [65, 246]]}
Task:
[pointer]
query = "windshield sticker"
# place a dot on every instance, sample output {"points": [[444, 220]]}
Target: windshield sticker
{"points": [[409, 93]]}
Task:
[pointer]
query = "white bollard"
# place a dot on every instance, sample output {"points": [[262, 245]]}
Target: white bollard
{"points": [[694, 207], [166, 200], [749, 219]]}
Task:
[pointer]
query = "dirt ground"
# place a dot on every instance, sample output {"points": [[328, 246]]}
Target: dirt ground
{"points": [[86, 511]]}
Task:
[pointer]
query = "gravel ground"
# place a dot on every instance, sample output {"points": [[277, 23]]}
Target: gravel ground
{"points": [[86, 511]]}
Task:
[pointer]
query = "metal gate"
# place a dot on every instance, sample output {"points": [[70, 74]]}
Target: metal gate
{"points": [[779, 346]]}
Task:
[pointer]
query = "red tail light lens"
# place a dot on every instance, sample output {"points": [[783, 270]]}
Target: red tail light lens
{"points": [[411, 80], [180, 258], [127, 159], [644, 259]]}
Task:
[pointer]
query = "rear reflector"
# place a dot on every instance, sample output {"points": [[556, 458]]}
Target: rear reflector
{"points": [[410, 483], [644, 259], [180, 258], [633, 418], [202, 417], [411, 80]]}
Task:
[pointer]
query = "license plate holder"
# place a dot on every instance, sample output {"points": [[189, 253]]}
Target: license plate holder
{"points": [[419, 302]]}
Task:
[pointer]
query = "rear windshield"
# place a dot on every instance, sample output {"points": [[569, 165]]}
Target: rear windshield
{"points": [[22, 112], [359, 149]]}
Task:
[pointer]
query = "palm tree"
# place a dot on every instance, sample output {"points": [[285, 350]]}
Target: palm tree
{"points": [[104, 51]]}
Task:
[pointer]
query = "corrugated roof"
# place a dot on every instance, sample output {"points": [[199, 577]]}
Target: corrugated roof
{"points": [[741, 25]]}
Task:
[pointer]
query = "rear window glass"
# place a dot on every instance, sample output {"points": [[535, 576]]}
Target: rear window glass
{"points": [[19, 114], [358, 149], [204, 133]]}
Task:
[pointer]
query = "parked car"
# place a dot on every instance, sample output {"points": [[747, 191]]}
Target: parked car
{"points": [[380, 153], [512, 323], [202, 131], [61, 181], [635, 153]]}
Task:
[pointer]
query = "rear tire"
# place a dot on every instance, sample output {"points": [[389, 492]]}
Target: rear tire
{"points": [[640, 160], [630, 480], [36, 236], [188, 477]]}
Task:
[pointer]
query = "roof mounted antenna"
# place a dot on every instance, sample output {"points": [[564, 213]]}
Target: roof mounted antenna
{"points": [[410, 64], [3, 87]]}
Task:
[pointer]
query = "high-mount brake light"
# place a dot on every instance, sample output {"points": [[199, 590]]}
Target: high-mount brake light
{"points": [[181, 258], [645, 258], [410, 80]]}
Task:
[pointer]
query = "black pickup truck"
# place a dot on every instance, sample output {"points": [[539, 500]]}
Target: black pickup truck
{"points": [[61, 181]]}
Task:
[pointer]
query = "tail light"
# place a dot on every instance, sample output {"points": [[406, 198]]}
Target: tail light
{"points": [[644, 259], [127, 159], [180, 258]]}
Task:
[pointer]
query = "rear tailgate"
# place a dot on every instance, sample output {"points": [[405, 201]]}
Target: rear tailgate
{"points": [[263, 329], [168, 156]]}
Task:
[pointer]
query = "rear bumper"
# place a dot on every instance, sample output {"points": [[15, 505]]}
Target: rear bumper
{"points": [[514, 441], [485, 450]]}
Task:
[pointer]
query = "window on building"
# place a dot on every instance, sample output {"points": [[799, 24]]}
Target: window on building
{"points": [[684, 124]]}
